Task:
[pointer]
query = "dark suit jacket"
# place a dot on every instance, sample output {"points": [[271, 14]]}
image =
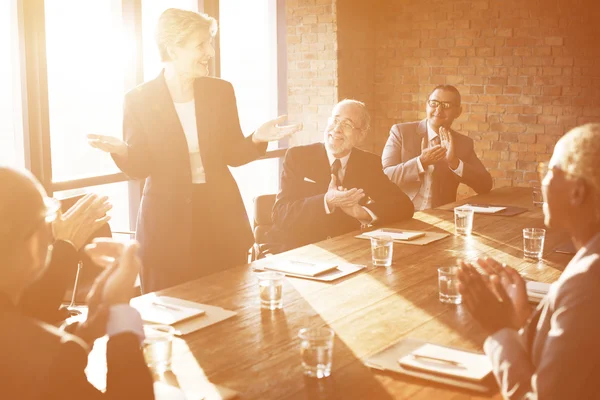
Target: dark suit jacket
{"points": [[158, 151], [557, 355], [299, 215], [399, 160], [40, 362]]}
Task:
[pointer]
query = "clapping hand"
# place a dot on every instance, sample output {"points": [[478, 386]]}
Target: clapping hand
{"points": [[340, 197], [513, 284], [273, 131], [80, 221], [431, 155], [448, 145], [109, 144], [486, 299], [113, 286]]}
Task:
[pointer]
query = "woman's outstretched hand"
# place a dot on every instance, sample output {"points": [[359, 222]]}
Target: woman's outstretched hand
{"points": [[109, 144], [273, 131]]}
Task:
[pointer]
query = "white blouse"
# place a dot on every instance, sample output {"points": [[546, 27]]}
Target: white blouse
{"points": [[187, 117]]}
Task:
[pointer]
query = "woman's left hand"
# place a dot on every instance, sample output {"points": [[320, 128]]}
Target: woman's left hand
{"points": [[272, 131]]}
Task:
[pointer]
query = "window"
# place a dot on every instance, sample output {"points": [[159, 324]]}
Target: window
{"points": [[11, 135], [248, 56], [86, 82]]}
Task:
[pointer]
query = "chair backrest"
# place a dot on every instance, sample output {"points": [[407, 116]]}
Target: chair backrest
{"points": [[263, 207]]}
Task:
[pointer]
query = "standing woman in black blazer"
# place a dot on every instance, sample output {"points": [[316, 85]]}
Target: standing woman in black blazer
{"points": [[181, 133]]}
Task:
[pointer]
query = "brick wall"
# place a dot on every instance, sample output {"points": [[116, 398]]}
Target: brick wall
{"points": [[312, 65], [528, 70]]}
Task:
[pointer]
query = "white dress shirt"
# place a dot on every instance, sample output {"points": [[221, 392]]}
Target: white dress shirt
{"points": [[124, 318], [341, 175], [422, 200], [187, 117]]}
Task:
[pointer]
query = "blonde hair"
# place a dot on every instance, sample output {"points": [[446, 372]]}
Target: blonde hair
{"points": [[364, 113], [175, 26], [581, 146]]}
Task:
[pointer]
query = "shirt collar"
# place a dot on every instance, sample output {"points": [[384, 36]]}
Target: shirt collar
{"points": [[430, 132], [343, 160]]}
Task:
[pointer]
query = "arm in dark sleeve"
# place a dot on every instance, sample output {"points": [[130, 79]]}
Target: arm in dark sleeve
{"points": [[128, 376], [240, 150], [42, 298], [137, 163], [294, 212], [474, 173], [387, 201]]}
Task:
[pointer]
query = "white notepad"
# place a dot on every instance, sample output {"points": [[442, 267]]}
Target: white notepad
{"points": [[302, 267], [483, 209], [395, 234], [446, 361], [154, 310]]}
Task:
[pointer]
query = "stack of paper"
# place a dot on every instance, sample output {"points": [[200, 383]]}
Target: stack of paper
{"points": [[484, 209], [536, 291], [446, 361]]}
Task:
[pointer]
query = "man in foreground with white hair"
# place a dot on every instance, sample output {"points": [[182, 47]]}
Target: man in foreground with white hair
{"points": [[553, 353]]}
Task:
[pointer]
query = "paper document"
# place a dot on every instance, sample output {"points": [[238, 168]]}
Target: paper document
{"points": [[302, 267], [536, 291], [449, 362], [484, 209], [395, 234], [156, 310]]}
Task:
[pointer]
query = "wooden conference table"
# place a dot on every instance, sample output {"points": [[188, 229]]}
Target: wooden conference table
{"points": [[257, 353]]}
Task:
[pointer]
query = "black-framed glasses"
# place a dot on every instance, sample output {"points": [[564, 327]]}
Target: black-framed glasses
{"points": [[443, 104], [345, 124]]}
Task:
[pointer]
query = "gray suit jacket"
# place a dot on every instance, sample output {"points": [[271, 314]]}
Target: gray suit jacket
{"points": [[399, 160], [557, 354]]}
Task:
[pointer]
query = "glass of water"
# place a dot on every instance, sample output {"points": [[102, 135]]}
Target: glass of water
{"points": [[536, 193], [316, 351], [382, 250], [463, 221], [533, 242], [158, 346], [448, 285], [270, 287]]}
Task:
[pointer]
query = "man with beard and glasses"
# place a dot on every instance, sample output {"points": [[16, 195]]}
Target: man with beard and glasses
{"points": [[428, 159], [331, 188], [552, 353]]}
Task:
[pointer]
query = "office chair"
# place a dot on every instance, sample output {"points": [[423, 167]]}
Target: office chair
{"points": [[263, 207]]}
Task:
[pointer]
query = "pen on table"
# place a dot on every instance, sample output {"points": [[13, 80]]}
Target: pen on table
{"points": [[441, 360], [481, 205], [166, 306]]}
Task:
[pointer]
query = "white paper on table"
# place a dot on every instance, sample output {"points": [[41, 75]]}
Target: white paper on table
{"points": [[484, 209]]}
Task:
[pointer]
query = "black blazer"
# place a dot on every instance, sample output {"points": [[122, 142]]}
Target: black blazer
{"points": [[299, 215], [158, 151]]}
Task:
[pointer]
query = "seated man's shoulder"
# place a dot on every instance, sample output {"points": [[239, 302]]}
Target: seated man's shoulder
{"points": [[406, 127]]}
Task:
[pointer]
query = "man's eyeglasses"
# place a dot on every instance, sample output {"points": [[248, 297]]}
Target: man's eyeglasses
{"points": [[345, 124], [443, 104]]}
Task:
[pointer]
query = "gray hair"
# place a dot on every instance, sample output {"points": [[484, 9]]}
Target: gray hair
{"points": [[364, 113], [581, 147], [175, 26]]}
